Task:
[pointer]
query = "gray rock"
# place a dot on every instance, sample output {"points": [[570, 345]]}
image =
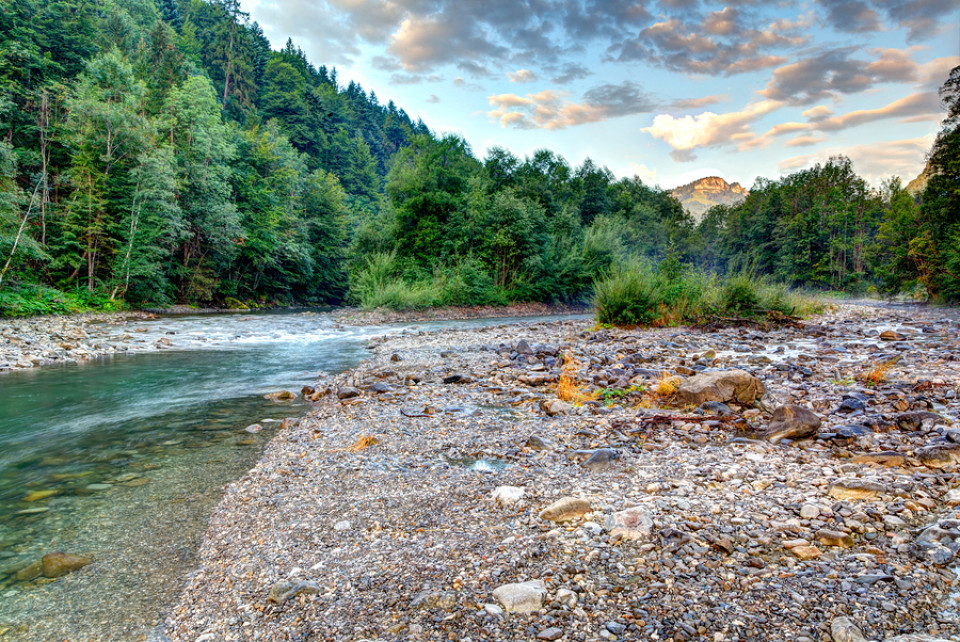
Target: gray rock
{"points": [[630, 524], [723, 386], [792, 422], [434, 600], [842, 629], [939, 455], [347, 392], [915, 420], [601, 459], [554, 407], [285, 589], [856, 489], [553, 633]]}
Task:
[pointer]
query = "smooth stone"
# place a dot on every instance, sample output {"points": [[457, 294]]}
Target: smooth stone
{"points": [[554, 407], [347, 392], [565, 509], [58, 564], [535, 442], [911, 421], [281, 395], [809, 511], [849, 405], [521, 597], [891, 335], [885, 458], [283, 590], [253, 429], [99, 486], [31, 572], [792, 422], [722, 386], [381, 387], [553, 633], [805, 552], [566, 597]]}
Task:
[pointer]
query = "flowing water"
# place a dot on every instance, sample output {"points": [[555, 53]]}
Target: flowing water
{"points": [[122, 460]]}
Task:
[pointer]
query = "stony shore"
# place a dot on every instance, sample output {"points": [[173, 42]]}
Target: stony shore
{"points": [[442, 491]]}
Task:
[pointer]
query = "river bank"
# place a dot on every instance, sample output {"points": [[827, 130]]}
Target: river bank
{"points": [[419, 500], [34, 342]]}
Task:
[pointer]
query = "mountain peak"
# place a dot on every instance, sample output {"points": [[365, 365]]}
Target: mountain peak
{"points": [[702, 194]]}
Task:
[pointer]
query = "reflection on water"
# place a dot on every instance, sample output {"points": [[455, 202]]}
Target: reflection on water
{"points": [[123, 459]]}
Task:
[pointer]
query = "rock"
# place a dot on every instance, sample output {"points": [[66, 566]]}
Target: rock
{"points": [[565, 509], [58, 564], [792, 422], [535, 442], [939, 455], [630, 524], [282, 395], [829, 537], [722, 386], [554, 407], [715, 408], [37, 495], [849, 405], [809, 511], [253, 429], [434, 600], [916, 637], [507, 495], [523, 347], [890, 335], [347, 392], [342, 525], [458, 377], [885, 458], [805, 552], [856, 489], [31, 572], [381, 387], [283, 590], [842, 629], [521, 597], [911, 421], [553, 633], [601, 459], [566, 597]]}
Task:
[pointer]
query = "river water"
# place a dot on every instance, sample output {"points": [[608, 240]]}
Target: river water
{"points": [[123, 459]]}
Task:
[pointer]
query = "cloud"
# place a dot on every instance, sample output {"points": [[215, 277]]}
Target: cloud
{"points": [[433, 99], [570, 72], [925, 104], [521, 76], [818, 113], [875, 162], [699, 103], [804, 141], [837, 72], [550, 109], [722, 42], [646, 174], [708, 129], [852, 16]]}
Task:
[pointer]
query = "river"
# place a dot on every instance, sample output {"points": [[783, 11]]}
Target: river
{"points": [[123, 459]]}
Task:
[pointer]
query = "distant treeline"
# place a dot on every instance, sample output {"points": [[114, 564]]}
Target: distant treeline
{"points": [[158, 151]]}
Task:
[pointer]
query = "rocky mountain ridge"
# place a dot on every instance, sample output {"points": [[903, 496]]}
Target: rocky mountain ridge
{"points": [[702, 194]]}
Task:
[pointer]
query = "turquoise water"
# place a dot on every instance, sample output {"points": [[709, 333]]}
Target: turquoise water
{"points": [[123, 459]]}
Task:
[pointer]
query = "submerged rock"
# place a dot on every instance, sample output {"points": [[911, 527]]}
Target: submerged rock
{"points": [[565, 509], [58, 564], [286, 589]]}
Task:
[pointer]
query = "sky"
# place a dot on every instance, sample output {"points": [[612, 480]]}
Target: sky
{"points": [[667, 90]]}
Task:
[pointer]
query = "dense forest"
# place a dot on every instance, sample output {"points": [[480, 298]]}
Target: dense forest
{"points": [[157, 152]]}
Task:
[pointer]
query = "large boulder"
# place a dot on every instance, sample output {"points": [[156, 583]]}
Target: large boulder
{"points": [[565, 509], [792, 422], [723, 386]]}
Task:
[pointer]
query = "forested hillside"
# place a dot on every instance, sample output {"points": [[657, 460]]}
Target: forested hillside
{"points": [[155, 152]]}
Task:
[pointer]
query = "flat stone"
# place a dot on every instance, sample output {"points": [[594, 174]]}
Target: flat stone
{"points": [[565, 509], [601, 459], [37, 495], [885, 458], [829, 537], [911, 421], [521, 597], [347, 392], [630, 524], [856, 489], [809, 511], [553, 633], [805, 552], [554, 407], [939, 455], [723, 386]]}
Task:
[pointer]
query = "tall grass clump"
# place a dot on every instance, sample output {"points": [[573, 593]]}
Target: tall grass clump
{"points": [[639, 293]]}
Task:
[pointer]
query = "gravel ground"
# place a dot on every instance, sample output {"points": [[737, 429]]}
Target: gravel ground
{"points": [[410, 504]]}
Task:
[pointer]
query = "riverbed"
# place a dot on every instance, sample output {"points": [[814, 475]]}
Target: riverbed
{"points": [[122, 458]]}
